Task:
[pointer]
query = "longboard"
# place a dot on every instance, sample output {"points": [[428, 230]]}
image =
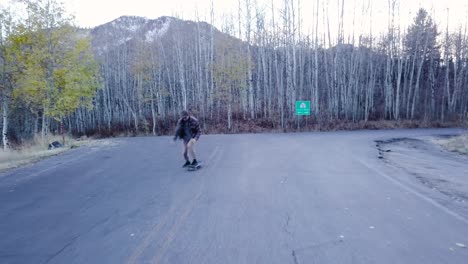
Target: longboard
{"points": [[194, 168]]}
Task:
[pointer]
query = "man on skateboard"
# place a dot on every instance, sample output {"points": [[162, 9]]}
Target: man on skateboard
{"points": [[188, 129]]}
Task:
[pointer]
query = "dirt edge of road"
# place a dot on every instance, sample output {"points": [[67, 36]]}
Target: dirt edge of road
{"points": [[439, 171]]}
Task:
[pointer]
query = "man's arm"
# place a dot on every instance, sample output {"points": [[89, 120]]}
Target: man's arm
{"points": [[196, 126], [178, 130]]}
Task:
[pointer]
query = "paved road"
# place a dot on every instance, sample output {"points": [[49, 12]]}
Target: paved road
{"points": [[270, 198]]}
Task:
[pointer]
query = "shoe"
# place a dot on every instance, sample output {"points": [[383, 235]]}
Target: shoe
{"points": [[186, 164], [194, 163]]}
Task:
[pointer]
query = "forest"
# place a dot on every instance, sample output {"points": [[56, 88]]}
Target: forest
{"points": [[134, 75]]}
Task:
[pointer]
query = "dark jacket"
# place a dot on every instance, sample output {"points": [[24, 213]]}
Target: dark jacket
{"points": [[187, 130]]}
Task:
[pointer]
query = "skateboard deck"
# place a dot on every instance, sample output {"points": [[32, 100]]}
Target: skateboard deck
{"points": [[193, 168]]}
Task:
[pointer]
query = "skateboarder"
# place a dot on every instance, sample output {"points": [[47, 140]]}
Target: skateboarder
{"points": [[188, 129]]}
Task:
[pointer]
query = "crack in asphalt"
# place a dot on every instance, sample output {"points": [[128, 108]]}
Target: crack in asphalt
{"points": [[287, 231], [293, 253], [73, 239], [286, 226]]}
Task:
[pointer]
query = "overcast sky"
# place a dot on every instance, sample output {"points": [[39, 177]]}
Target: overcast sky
{"points": [[90, 13]]}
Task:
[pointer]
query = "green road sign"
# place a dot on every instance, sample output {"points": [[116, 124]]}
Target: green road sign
{"points": [[302, 107]]}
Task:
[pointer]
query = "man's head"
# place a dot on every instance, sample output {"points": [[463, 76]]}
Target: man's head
{"points": [[185, 115]]}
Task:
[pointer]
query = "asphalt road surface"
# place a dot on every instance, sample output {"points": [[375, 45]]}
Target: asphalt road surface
{"points": [[263, 198]]}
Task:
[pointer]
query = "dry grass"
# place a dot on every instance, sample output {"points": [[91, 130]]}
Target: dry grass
{"points": [[456, 144], [36, 150]]}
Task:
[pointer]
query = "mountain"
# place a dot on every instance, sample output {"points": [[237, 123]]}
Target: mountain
{"points": [[129, 30]]}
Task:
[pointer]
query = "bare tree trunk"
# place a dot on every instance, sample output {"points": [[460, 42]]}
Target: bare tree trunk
{"points": [[316, 62], [418, 78], [153, 111], [3, 58], [248, 22], [410, 85], [181, 70], [447, 70], [5, 123], [44, 127], [398, 88]]}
